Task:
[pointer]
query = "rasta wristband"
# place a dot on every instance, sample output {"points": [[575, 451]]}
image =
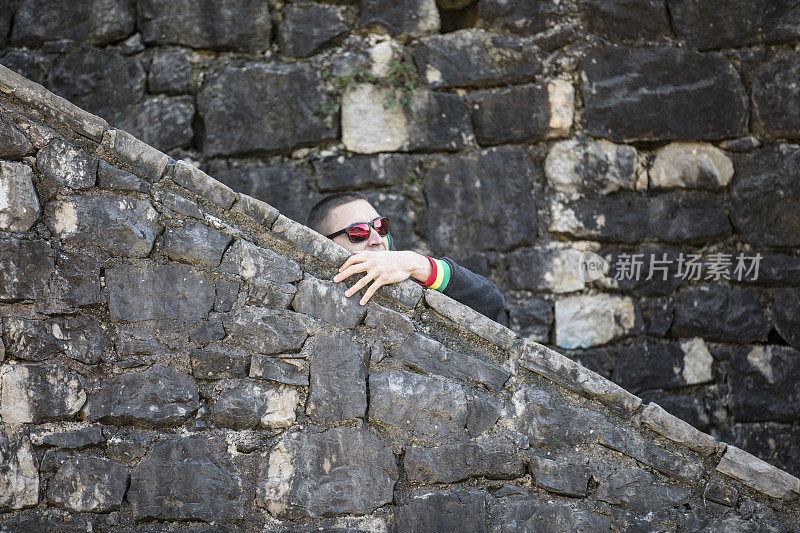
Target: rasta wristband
{"points": [[440, 275]]}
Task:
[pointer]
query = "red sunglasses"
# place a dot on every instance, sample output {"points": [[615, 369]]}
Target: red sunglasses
{"points": [[359, 232]]}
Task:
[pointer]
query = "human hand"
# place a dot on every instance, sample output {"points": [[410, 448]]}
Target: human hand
{"points": [[382, 268]]}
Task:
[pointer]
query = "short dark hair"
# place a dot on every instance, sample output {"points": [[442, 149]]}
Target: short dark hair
{"points": [[321, 209]]}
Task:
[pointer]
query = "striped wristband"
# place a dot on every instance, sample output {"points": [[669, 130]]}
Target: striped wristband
{"points": [[440, 275]]}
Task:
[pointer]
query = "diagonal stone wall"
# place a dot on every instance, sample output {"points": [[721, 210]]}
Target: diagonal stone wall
{"points": [[174, 356]]}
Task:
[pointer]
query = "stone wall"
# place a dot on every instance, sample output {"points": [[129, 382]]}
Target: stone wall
{"points": [[657, 127], [174, 357]]}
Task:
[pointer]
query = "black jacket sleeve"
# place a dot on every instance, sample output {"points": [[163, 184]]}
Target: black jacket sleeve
{"points": [[472, 290]]}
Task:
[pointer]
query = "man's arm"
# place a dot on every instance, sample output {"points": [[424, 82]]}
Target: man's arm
{"points": [[469, 288]]}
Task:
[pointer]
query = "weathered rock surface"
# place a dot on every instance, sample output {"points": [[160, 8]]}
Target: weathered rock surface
{"points": [[584, 321], [196, 243], [339, 471], [36, 393], [626, 19], [490, 458], [590, 168], [338, 377], [251, 405], [259, 264], [255, 95], [67, 164], [150, 291], [88, 484], [528, 513], [96, 22], [164, 122], [188, 478], [19, 203], [679, 94], [404, 18], [308, 28], [19, 478], [326, 300], [25, 268], [157, 397], [720, 313], [424, 510], [81, 338], [171, 72], [762, 383], [291, 371], [690, 165], [567, 479], [13, 143], [265, 331], [758, 474], [124, 226], [241, 25]]}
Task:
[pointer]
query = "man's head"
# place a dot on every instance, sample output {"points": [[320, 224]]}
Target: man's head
{"points": [[338, 211]]}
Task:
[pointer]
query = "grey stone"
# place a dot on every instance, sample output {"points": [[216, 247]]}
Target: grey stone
{"points": [[676, 430], [731, 24], [432, 357], [239, 25], [556, 270], [52, 106], [764, 197], [88, 484], [693, 410], [31, 64], [157, 397], [748, 143], [762, 383], [291, 371], [164, 122], [309, 241], [341, 173], [84, 78], [6, 15], [626, 19], [67, 164], [567, 479], [149, 291], [636, 490], [19, 207], [25, 269], [122, 225], [527, 512], [13, 143], [96, 22], [523, 17], [773, 82], [130, 150], [427, 408], [78, 337], [786, 313], [35, 393], [171, 72], [207, 332], [200, 183], [237, 103], [188, 478], [431, 511], [589, 168], [308, 28], [697, 165], [523, 113], [663, 366], [775, 443], [282, 186], [326, 301], [494, 458], [646, 270], [473, 320], [562, 370], [721, 491], [181, 205], [404, 18], [251, 405], [339, 471], [391, 326], [338, 377], [111, 177], [433, 121], [75, 439], [672, 217], [259, 212], [196, 243], [226, 293], [19, 478], [473, 57], [268, 294], [726, 314], [261, 264], [680, 94], [585, 321], [216, 362], [532, 319], [758, 474], [468, 214], [265, 331]]}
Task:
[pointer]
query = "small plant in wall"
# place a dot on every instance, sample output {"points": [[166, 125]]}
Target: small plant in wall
{"points": [[400, 80]]}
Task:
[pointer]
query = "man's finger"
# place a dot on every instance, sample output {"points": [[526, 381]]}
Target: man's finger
{"points": [[356, 257], [352, 269], [360, 284], [372, 288]]}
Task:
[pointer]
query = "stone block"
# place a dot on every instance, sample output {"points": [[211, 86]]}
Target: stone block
{"points": [[762, 383], [13, 143], [621, 20], [171, 72], [758, 474], [339, 471], [725, 314], [676, 430], [196, 243], [402, 18], [259, 264], [19, 207], [237, 25], [523, 17], [678, 94], [391, 326], [580, 167], [472, 57], [255, 405], [96, 22], [527, 512], [259, 212], [308, 28], [309, 241], [532, 319], [690, 165], [634, 489], [25, 268], [585, 321], [786, 315], [289, 370], [326, 301], [81, 338], [164, 122], [663, 366], [157, 397], [19, 478], [200, 183], [111, 177], [36, 393], [553, 476], [338, 377], [494, 458], [131, 151], [264, 331], [471, 319], [73, 440], [88, 484], [429, 511]]}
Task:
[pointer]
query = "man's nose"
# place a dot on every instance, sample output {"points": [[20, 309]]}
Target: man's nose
{"points": [[374, 238]]}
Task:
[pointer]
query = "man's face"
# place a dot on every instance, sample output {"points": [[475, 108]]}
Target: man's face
{"points": [[353, 213]]}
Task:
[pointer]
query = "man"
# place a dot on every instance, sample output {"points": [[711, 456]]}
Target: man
{"points": [[351, 221]]}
